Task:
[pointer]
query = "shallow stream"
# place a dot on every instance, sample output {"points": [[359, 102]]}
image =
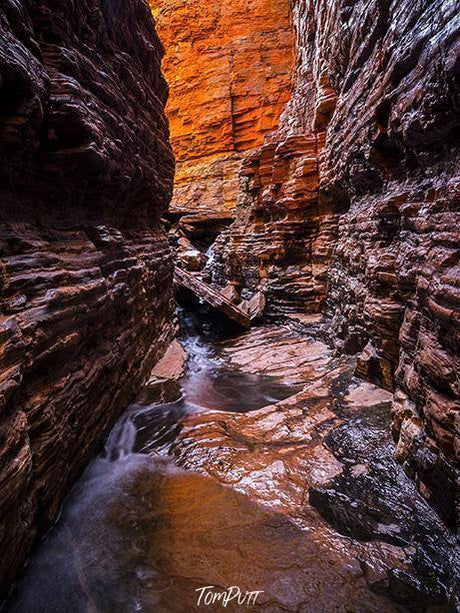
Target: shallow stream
{"points": [[134, 511], [300, 507]]}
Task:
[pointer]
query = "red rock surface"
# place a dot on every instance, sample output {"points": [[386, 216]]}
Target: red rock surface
{"points": [[86, 272], [282, 240], [323, 460], [353, 208], [228, 65]]}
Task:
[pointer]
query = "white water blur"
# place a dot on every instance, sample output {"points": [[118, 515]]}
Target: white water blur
{"points": [[98, 546]]}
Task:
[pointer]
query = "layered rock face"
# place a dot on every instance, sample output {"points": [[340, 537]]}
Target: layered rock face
{"points": [[229, 66], [395, 275], [352, 207], [281, 242], [86, 272]]}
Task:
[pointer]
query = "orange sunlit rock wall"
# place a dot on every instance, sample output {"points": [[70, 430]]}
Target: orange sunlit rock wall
{"points": [[228, 65]]}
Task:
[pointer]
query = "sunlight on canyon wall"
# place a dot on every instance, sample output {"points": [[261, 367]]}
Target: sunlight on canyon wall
{"points": [[228, 65]]}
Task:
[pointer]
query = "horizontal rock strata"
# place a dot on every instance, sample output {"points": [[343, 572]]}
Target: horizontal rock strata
{"points": [[86, 272], [352, 208], [229, 67], [282, 241]]}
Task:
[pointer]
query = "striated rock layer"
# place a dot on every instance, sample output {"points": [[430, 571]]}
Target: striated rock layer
{"points": [[229, 65], [353, 208], [86, 273]]}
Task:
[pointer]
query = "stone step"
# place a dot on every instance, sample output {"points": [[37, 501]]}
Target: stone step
{"points": [[211, 296]]}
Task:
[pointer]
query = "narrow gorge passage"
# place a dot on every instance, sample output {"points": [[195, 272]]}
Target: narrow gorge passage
{"points": [[113, 548], [204, 480], [229, 306]]}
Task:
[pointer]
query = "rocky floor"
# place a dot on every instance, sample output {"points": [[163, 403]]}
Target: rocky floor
{"points": [[300, 500], [322, 461]]}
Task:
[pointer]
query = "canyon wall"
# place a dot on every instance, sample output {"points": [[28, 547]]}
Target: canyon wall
{"points": [[85, 269], [228, 65], [353, 209]]}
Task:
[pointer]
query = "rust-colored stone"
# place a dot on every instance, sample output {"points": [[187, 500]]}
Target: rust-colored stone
{"points": [[209, 295], [229, 67], [324, 460]]}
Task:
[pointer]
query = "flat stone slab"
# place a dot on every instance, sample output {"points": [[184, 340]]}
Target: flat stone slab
{"points": [[211, 296], [172, 364]]}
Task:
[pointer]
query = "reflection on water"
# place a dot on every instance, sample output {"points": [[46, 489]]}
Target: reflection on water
{"points": [[209, 384], [139, 534]]}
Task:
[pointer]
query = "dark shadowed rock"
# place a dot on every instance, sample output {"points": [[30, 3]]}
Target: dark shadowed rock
{"points": [[86, 272], [353, 209]]}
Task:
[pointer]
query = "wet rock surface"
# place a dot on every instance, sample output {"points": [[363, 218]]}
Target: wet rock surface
{"points": [[169, 549], [325, 458], [301, 499], [352, 209], [85, 268]]}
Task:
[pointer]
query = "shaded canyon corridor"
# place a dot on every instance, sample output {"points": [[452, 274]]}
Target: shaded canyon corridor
{"points": [[229, 305]]}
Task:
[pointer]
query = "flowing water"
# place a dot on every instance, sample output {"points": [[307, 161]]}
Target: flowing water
{"points": [[137, 532]]}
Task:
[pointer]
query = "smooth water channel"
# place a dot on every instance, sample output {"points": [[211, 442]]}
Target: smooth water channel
{"points": [[137, 532]]}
